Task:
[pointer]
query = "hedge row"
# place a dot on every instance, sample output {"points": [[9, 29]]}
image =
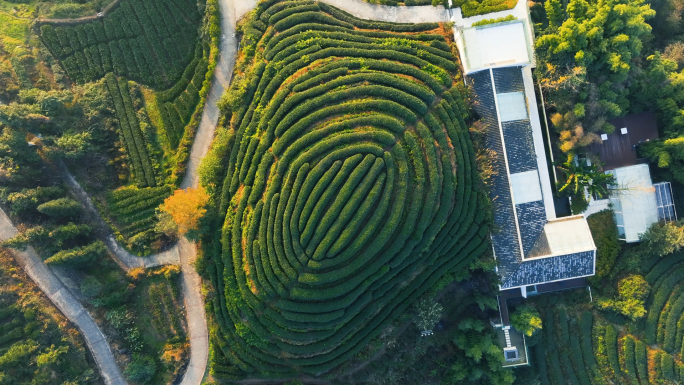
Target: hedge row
{"points": [[663, 289], [177, 104], [149, 41], [641, 358], [611, 349], [133, 138], [627, 359], [552, 351]]}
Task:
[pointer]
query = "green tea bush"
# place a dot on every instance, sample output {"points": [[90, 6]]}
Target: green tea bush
{"points": [[611, 349], [60, 208], [662, 290], [79, 256], [667, 367], [335, 205], [641, 357], [156, 40], [627, 359], [134, 212]]}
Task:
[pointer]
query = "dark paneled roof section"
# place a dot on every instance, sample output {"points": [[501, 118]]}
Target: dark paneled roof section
{"points": [[505, 238], [519, 146], [532, 218], [508, 79], [534, 271], [525, 224]]}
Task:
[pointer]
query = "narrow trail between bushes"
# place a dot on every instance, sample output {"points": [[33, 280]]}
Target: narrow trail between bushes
{"points": [[184, 252]]}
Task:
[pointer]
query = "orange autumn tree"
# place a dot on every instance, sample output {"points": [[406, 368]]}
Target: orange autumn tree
{"points": [[186, 208]]}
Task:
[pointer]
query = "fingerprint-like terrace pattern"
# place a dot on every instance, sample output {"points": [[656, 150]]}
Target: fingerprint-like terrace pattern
{"points": [[350, 189]]}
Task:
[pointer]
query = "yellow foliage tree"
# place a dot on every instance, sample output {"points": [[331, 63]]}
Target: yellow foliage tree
{"points": [[186, 208]]}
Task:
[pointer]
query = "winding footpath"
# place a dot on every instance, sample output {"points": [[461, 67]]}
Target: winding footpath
{"points": [[184, 252], [65, 301]]}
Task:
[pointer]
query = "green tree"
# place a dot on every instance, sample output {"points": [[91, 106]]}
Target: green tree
{"points": [[668, 154], [663, 238], [60, 208], [52, 356], [79, 256], [19, 162], [73, 145], [593, 49], [632, 293], [554, 12], [141, 369], [526, 319], [479, 356], [580, 176], [428, 314]]}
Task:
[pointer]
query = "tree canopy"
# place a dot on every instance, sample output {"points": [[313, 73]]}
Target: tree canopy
{"points": [[586, 56]]}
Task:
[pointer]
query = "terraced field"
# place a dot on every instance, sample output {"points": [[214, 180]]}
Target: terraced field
{"points": [[349, 188], [148, 41], [652, 354]]}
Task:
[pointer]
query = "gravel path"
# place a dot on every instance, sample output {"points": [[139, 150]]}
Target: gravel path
{"points": [[410, 14], [67, 304]]}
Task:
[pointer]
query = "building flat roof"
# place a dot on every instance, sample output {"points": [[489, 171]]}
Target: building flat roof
{"points": [[495, 45]]}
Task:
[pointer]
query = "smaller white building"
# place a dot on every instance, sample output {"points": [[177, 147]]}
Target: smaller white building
{"points": [[637, 203], [634, 201], [496, 45]]}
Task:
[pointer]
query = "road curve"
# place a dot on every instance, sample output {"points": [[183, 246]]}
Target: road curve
{"points": [[66, 303]]}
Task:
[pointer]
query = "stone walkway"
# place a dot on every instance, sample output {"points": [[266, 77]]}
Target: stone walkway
{"points": [[67, 304]]}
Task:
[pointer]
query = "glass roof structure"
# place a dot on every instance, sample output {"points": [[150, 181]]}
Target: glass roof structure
{"points": [[634, 201], [666, 208]]}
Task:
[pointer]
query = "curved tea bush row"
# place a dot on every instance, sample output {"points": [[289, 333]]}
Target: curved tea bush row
{"points": [[596, 353], [133, 139], [177, 104], [348, 188], [150, 41], [134, 214], [666, 305]]}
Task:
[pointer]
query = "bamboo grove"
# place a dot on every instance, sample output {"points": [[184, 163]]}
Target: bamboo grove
{"points": [[347, 186]]}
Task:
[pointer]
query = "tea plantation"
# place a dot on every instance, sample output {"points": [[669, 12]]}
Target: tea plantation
{"points": [[345, 185], [584, 348]]}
